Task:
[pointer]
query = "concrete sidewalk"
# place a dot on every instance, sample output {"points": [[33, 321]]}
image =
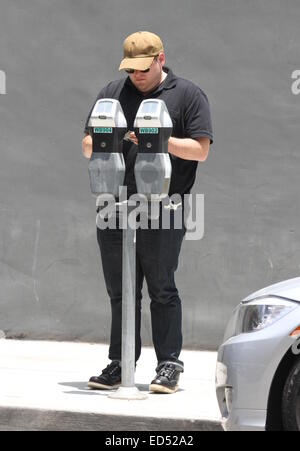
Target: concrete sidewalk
{"points": [[44, 387]]}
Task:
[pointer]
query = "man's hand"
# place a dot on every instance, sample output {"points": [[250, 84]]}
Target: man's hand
{"points": [[87, 146], [132, 137]]}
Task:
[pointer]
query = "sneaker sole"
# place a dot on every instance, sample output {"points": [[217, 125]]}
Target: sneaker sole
{"points": [[161, 389], [96, 386]]}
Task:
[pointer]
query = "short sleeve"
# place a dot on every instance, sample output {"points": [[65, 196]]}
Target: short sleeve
{"points": [[197, 117]]}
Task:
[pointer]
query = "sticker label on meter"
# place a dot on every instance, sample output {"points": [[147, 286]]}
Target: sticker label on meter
{"points": [[103, 130], [148, 130]]}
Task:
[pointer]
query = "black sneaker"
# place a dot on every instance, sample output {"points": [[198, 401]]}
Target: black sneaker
{"points": [[109, 379], [167, 377]]}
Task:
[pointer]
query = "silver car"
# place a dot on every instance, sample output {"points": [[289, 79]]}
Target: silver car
{"points": [[258, 366]]}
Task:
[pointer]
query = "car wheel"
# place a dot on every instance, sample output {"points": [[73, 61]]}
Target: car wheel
{"points": [[291, 400]]}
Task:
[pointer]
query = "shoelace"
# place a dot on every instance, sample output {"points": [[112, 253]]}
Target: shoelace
{"points": [[168, 370], [111, 369]]}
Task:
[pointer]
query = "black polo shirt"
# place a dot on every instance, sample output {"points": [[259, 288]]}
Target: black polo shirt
{"points": [[189, 109]]}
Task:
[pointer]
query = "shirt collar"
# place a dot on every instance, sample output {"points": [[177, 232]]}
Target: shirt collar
{"points": [[170, 80], [168, 83]]}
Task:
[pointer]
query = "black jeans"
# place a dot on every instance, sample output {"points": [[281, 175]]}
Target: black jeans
{"points": [[157, 253]]}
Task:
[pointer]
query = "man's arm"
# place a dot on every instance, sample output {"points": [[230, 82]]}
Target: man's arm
{"points": [[87, 146], [189, 149], [186, 148]]}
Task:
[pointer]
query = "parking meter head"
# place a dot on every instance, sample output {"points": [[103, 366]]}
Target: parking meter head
{"points": [[107, 167], [153, 128], [108, 126]]}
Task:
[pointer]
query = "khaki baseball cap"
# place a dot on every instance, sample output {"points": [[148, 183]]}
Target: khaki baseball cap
{"points": [[140, 49]]}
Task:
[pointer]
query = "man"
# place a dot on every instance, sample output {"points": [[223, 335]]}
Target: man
{"points": [[157, 250]]}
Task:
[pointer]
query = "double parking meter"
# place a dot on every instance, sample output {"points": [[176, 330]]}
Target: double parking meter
{"points": [[107, 167], [153, 128]]}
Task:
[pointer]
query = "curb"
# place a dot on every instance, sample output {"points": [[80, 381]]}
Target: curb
{"points": [[23, 419]]}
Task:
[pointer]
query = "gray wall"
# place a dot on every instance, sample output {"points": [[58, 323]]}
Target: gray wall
{"points": [[56, 56]]}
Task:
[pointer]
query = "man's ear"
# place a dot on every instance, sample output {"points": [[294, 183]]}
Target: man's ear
{"points": [[161, 58]]}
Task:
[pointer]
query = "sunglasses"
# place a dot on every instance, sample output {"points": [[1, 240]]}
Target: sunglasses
{"points": [[131, 71]]}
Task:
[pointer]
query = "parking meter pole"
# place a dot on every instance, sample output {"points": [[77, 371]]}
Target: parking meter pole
{"points": [[128, 390], [128, 307]]}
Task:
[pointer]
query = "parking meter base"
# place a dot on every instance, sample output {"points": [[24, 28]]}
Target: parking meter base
{"points": [[107, 172], [129, 394]]}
